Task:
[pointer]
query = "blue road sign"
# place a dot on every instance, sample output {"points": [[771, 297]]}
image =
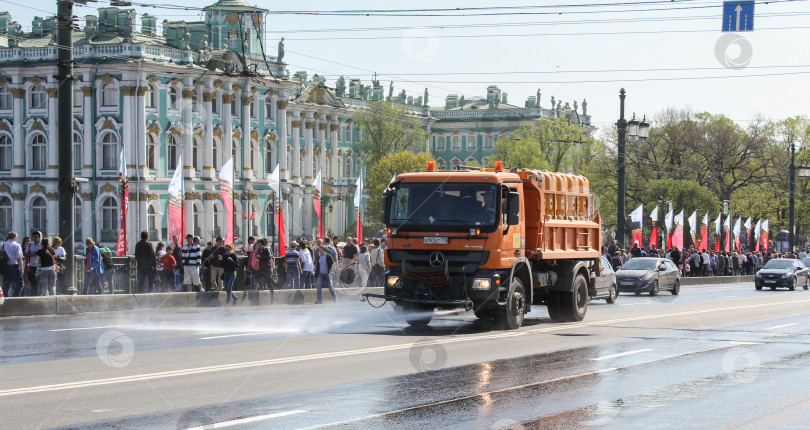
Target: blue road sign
{"points": [[738, 15]]}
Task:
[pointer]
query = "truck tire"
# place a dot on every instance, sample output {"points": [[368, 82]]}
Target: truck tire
{"points": [[553, 304], [573, 305], [511, 315], [416, 315]]}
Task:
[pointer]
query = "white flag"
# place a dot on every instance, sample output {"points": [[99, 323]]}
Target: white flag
{"points": [[758, 230], [273, 180], [654, 214], [358, 193]]}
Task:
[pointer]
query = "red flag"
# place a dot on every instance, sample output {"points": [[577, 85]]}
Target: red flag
{"points": [[727, 231], [316, 202], [704, 233], [764, 234], [122, 235], [282, 240], [359, 228], [226, 191], [177, 208], [654, 235], [677, 234]]}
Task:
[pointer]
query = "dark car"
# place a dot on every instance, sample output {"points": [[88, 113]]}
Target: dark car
{"points": [[606, 283], [648, 274], [783, 273]]}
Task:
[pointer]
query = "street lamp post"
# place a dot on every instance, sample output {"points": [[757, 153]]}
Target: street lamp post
{"points": [[633, 128], [792, 216]]}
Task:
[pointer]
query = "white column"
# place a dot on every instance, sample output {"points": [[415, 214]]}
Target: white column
{"points": [[88, 135], [140, 136], [227, 127], [208, 141], [53, 140], [322, 147], [126, 140], [308, 175], [188, 152], [246, 156], [334, 151], [18, 148], [281, 142], [296, 149]]}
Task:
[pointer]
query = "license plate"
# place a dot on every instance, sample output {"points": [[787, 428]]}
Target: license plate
{"points": [[441, 240], [626, 283], [770, 281]]}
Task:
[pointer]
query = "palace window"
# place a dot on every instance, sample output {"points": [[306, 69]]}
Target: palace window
{"points": [[214, 104], [268, 109], [77, 217], [489, 142], [174, 98], [109, 219], [472, 142], [6, 152], [109, 95], [78, 98], [171, 152], [152, 222], [5, 213], [77, 151], [5, 98], [109, 151], [39, 214], [455, 146], [151, 151], [149, 97], [39, 97], [39, 152]]}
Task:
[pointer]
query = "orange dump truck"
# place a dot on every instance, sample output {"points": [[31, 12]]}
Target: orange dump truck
{"points": [[492, 241]]}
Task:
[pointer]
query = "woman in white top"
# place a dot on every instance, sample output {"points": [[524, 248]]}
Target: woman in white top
{"points": [[364, 262], [307, 266]]}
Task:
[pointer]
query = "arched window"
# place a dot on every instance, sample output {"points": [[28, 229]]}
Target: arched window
{"points": [[6, 152], [234, 108], [78, 218], [109, 219], [39, 152], [214, 104], [196, 218], [348, 173], [5, 213], [252, 109], [151, 151], [109, 151], [456, 145], [77, 151], [5, 98], [152, 222], [472, 142], [149, 97], [196, 103], [109, 95], [268, 156], [489, 142], [39, 214], [440, 143], [174, 98], [217, 153], [253, 155], [454, 163], [39, 97], [171, 151], [470, 161], [195, 153], [78, 98]]}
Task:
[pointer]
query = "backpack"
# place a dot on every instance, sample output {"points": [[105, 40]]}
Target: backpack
{"points": [[253, 260], [3, 255], [106, 257]]}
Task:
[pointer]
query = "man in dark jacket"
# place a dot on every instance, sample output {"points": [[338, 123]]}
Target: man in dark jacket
{"points": [[146, 262], [635, 251]]}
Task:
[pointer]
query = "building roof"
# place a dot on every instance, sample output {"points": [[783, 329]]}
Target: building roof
{"points": [[318, 93], [234, 5]]}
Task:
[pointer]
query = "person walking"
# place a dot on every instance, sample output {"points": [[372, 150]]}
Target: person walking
{"points": [[59, 256], [146, 262], [323, 267], [30, 250], [13, 283], [264, 274], [93, 268], [168, 263], [215, 258], [364, 265], [292, 262], [229, 264], [307, 266], [192, 257], [377, 257], [46, 274]]}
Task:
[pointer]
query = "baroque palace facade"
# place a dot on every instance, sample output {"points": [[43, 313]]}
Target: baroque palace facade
{"points": [[181, 92]]}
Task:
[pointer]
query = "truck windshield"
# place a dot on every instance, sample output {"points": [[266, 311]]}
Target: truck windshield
{"points": [[444, 207]]}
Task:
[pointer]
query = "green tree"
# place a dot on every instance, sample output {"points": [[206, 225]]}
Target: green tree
{"points": [[386, 129], [552, 144], [381, 173]]}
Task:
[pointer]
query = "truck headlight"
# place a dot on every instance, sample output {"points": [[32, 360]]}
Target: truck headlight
{"points": [[481, 284], [392, 281]]}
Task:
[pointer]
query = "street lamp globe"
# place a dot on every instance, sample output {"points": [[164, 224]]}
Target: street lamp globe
{"points": [[644, 128], [632, 126]]}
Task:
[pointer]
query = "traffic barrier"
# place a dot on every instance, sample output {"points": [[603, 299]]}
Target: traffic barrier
{"points": [[716, 280], [65, 304]]}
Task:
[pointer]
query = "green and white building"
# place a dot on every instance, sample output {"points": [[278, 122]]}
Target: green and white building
{"points": [[184, 91]]}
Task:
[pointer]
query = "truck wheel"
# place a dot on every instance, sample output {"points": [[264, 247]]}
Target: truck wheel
{"points": [[574, 305], [553, 304], [416, 315], [511, 315]]}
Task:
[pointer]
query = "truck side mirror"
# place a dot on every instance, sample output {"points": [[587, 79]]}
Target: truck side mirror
{"points": [[386, 207], [513, 209]]}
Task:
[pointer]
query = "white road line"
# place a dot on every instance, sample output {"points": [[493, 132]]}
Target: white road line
{"points": [[780, 326], [94, 328], [236, 335], [224, 424], [356, 352], [519, 387], [621, 354]]}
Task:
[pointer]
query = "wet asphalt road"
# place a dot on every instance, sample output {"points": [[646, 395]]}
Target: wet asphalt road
{"points": [[715, 356]]}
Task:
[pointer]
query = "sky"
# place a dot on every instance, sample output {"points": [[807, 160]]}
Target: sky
{"points": [[664, 53]]}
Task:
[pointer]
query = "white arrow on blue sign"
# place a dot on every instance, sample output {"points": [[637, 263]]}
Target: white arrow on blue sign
{"points": [[738, 15]]}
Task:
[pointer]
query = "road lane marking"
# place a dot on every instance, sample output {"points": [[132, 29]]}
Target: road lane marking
{"points": [[94, 328], [232, 423], [237, 335], [621, 354], [780, 326], [374, 350], [519, 387]]}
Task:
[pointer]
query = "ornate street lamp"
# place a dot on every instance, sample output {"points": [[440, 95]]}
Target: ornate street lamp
{"points": [[634, 128]]}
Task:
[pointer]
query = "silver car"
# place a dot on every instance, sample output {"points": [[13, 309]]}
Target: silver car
{"points": [[648, 275], [606, 283]]}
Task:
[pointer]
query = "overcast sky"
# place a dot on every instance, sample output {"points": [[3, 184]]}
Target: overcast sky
{"points": [[664, 53]]}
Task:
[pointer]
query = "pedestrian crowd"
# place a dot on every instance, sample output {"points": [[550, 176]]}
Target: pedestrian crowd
{"points": [[35, 265], [695, 263]]}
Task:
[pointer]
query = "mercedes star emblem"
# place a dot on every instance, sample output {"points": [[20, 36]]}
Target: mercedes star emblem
{"points": [[436, 259]]}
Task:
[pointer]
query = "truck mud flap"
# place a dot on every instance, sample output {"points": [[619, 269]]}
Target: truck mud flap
{"points": [[466, 304]]}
